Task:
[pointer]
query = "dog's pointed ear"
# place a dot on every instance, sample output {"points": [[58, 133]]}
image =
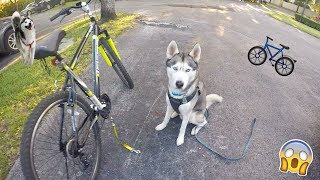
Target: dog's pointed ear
{"points": [[196, 52], [172, 49]]}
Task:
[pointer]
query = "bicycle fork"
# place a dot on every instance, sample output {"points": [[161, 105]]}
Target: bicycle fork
{"points": [[104, 36]]}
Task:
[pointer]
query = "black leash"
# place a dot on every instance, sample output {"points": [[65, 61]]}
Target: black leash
{"points": [[244, 151]]}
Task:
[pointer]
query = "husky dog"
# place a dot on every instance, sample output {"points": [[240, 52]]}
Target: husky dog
{"points": [[25, 35], [186, 95]]}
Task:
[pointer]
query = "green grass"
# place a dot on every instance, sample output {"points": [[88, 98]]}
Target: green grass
{"points": [[288, 19], [22, 87]]}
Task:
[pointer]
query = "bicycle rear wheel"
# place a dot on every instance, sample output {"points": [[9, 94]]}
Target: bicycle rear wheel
{"points": [[257, 55], [284, 66], [117, 65], [48, 147]]}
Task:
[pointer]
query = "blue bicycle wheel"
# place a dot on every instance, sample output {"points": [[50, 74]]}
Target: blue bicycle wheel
{"points": [[257, 55], [284, 66]]}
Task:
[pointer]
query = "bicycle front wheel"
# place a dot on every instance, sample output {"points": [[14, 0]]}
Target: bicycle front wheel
{"points": [[257, 55], [284, 66], [48, 146], [117, 65]]}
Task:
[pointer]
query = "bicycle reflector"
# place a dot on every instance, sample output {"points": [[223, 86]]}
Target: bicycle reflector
{"points": [[53, 62]]}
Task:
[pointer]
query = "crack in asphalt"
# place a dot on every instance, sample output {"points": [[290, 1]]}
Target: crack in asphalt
{"points": [[222, 8], [164, 24]]}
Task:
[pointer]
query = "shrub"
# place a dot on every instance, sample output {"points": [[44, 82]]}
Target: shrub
{"points": [[307, 21], [7, 9]]}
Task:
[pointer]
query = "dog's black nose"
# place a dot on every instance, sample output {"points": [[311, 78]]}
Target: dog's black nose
{"points": [[179, 84]]}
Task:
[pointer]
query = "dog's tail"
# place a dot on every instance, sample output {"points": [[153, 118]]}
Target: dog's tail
{"points": [[15, 20], [212, 98]]}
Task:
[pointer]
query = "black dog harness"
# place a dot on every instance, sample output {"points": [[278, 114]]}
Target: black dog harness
{"points": [[175, 103]]}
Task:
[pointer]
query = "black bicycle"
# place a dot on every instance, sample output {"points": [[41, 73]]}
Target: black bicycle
{"points": [[61, 138]]}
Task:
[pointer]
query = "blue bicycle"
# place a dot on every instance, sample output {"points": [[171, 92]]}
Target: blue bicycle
{"points": [[284, 65]]}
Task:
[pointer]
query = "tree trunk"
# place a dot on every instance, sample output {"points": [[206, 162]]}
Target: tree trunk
{"points": [[108, 10]]}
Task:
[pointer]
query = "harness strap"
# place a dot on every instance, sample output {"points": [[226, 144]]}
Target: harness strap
{"points": [[29, 45], [175, 103]]}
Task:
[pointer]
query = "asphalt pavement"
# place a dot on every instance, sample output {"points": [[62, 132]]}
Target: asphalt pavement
{"points": [[285, 107]]}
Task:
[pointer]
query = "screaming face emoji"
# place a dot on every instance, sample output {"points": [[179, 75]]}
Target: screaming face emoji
{"points": [[295, 156]]}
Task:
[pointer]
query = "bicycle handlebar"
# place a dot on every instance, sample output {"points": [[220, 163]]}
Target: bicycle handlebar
{"points": [[66, 11]]}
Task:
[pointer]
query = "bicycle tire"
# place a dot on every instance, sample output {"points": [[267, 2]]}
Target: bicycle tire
{"points": [[281, 65], [260, 49], [117, 65], [33, 124]]}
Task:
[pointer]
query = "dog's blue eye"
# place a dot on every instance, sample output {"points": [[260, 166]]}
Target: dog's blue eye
{"points": [[175, 68], [187, 70]]}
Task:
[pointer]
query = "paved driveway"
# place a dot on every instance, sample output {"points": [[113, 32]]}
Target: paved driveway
{"points": [[285, 107]]}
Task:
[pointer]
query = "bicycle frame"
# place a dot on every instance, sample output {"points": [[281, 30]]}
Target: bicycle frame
{"points": [[279, 50], [96, 37], [72, 79]]}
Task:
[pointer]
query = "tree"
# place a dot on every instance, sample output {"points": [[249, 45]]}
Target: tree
{"points": [[108, 10]]}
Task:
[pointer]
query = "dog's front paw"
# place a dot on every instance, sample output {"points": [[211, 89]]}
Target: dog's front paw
{"points": [[194, 131], [180, 141], [160, 127]]}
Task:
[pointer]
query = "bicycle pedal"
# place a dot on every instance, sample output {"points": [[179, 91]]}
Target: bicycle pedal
{"points": [[272, 65], [105, 100]]}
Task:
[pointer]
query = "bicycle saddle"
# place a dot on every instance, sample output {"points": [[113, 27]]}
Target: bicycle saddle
{"points": [[286, 47], [49, 46]]}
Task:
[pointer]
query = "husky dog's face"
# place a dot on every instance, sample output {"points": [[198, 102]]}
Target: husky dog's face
{"points": [[27, 24], [182, 68]]}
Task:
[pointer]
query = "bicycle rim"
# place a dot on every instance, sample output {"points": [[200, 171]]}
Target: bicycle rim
{"points": [[48, 160], [284, 66], [257, 55]]}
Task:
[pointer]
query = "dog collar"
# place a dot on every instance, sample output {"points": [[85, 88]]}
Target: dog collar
{"points": [[175, 103], [29, 45], [176, 94]]}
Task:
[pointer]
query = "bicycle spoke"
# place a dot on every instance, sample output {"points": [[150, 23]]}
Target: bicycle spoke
{"points": [[40, 160], [49, 160], [50, 172], [50, 137], [55, 143], [45, 155], [75, 171], [49, 149], [255, 51]]}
